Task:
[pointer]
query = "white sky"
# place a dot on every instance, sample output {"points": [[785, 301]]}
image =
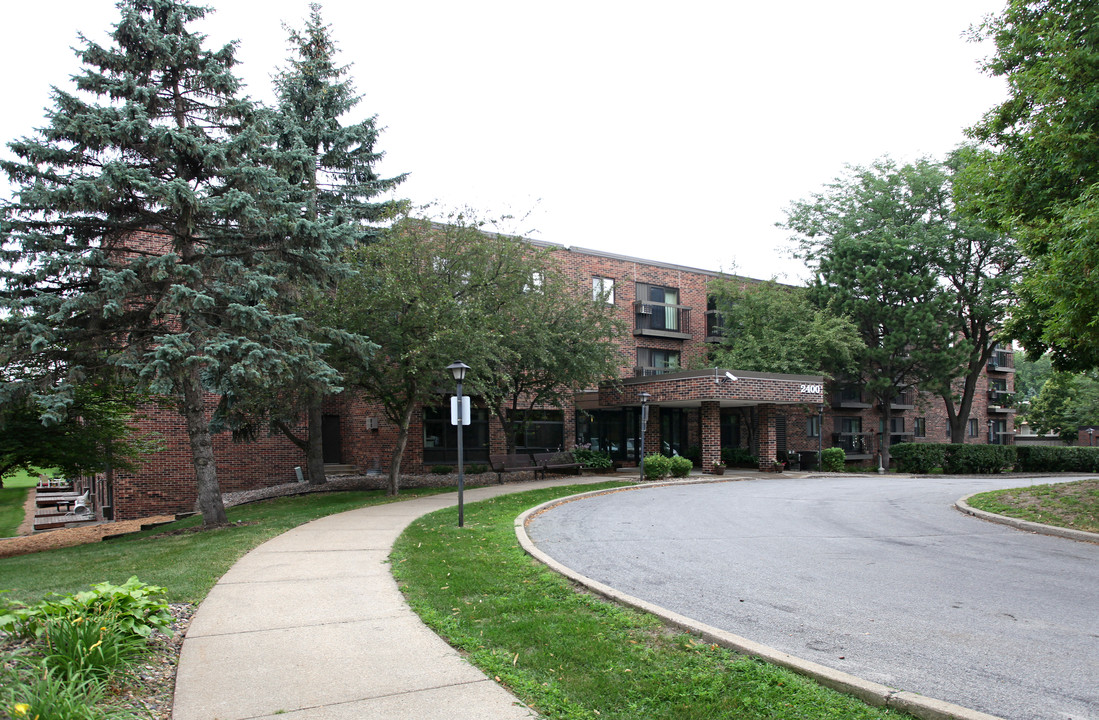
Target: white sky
{"points": [[630, 127]]}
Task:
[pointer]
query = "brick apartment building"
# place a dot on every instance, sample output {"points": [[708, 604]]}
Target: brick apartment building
{"points": [[672, 325]]}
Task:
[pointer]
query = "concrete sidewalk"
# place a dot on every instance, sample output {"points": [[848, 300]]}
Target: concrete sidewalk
{"points": [[311, 625]]}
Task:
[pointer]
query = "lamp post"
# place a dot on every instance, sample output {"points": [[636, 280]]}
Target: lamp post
{"points": [[1091, 437], [820, 437], [644, 421], [458, 370]]}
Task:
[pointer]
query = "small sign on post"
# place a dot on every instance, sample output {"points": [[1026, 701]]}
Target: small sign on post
{"points": [[456, 414]]}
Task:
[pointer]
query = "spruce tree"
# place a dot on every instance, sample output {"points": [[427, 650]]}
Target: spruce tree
{"points": [[153, 231], [340, 183]]}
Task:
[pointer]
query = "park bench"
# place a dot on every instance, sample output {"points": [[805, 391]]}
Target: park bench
{"points": [[557, 462], [517, 462]]}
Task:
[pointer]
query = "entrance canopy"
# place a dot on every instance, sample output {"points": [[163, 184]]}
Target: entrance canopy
{"points": [[726, 388]]}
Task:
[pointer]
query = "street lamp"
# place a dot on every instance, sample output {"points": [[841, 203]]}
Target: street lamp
{"points": [[1091, 437], [458, 417], [644, 421], [820, 437]]}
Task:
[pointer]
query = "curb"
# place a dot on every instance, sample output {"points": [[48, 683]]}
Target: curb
{"points": [[1039, 528], [869, 692]]}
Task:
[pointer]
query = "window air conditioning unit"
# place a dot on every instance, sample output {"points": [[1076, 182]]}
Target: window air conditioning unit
{"points": [[645, 310], [372, 423]]}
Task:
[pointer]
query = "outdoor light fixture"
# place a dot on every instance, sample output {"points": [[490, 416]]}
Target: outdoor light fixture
{"points": [[1091, 437], [458, 417], [644, 396]]}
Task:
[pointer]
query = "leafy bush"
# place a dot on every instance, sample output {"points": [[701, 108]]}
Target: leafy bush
{"points": [[137, 609], [476, 469], [833, 459], [739, 457], [1039, 458], [89, 647], [441, 469], [694, 454], [592, 459], [681, 466], [32, 693], [657, 466], [979, 459], [918, 457]]}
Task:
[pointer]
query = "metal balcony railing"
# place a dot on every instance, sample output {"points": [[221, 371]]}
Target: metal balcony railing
{"points": [[662, 320], [854, 443]]}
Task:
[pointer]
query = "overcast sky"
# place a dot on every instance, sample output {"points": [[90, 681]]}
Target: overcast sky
{"points": [[678, 135]]}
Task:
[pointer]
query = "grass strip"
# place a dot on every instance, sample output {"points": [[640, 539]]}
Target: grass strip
{"points": [[177, 556], [1073, 505], [571, 655], [13, 500]]}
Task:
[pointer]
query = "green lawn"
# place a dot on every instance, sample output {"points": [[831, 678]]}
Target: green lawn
{"points": [[571, 655], [187, 563], [1072, 505], [12, 498]]}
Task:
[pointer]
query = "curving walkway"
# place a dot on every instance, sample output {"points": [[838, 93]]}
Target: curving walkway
{"points": [[311, 625]]}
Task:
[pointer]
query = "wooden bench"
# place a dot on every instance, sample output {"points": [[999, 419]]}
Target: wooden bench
{"points": [[557, 462], [517, 462]]}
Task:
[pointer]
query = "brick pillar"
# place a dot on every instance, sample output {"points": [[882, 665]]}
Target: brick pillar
{"points": [[768, 448], [652, 432], [710, 434]]}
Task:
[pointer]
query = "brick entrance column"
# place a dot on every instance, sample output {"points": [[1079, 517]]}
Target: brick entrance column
{"points": [[768, 448], [710, 432]]}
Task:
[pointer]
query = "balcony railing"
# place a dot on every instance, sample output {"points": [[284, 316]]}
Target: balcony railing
{"points": [[849, 397], [903, 401], [662, 320], [1002, 361], [1001, 400], [715, 326], [854, 443], [643, 371]]}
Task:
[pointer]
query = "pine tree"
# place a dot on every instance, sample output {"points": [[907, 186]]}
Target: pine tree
{"points": [[339, 179], [153, 232]]}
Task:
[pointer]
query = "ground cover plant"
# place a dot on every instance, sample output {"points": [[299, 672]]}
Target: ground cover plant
{"points": [[1072, 505], [571, 655]]}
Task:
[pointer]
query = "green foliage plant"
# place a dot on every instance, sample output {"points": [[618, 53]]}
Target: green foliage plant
{"points": [[1039, 458], [978, 459], [476, 468], [592, 459], [657, 466], [441, 469], [833, 459], [919, 458], [88, 646], [28, 692], [739, 457], [134, 607], [680, 466]]}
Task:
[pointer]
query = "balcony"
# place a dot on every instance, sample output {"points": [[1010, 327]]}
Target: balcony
{"points": [[849, 397], [856, 445], [647, 370], [1002, 361], [1001, 401], [904, 401], [665, 320], [715, 326]]}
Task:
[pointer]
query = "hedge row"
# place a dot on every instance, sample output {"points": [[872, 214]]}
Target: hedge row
{"points": [[987, 459]]}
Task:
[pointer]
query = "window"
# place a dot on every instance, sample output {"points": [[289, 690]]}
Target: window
{"points": [[536, 282], [441, 438], [602, 289], [659, 306], [919, 427], [973, 427], [656, 362], [812, 426], [539, 430]]}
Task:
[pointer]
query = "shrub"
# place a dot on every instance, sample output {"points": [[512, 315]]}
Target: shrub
{"points": [[91, 647], [1039, 458], [31, 692], [738, 457], [441, 469], [657, 466], [592, 459], [833, 459], [681, 466], [979, 459], [694, 454], [917, 457], [476, 469]]}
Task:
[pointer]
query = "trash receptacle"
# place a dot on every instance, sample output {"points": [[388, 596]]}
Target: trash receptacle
{"points": [[807, 459]]}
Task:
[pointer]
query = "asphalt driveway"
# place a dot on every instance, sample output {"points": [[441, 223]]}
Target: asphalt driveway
{"points": [[876, 576]]}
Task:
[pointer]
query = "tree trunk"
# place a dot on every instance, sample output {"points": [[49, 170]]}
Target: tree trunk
{"points": [[314, 453], [886, 437], [398, 451], [202, 451]]}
